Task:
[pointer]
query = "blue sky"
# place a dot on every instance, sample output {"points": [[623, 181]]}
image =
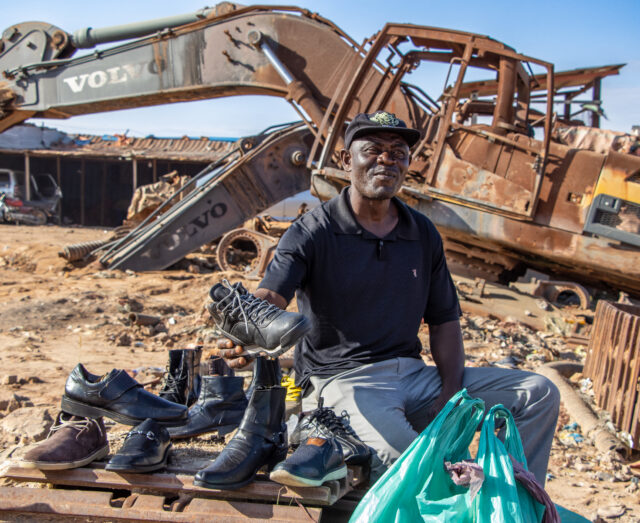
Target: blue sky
{"points": [[570, 34]]}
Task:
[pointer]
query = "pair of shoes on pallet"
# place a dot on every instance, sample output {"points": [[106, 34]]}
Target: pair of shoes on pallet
{"points": [[327, 443], [78, 436], [75, 441], [262, 440]]}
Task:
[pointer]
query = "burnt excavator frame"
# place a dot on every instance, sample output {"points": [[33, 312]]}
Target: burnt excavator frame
{"points": [[467, 49]]}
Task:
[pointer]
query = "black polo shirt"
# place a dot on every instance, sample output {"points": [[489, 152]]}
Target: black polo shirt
{"points": [[366, 296]]}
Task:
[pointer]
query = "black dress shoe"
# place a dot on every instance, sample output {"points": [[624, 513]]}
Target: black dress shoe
{"points": [[117, 396], [255, 324], [314, 462], [145, 449], [260, 440], [220, 408]]}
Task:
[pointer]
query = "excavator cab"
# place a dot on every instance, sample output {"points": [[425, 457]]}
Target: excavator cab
{"points": [[493, 163]]}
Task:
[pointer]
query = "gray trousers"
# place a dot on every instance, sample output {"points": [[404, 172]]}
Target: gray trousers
{"points": [[387, 404]]}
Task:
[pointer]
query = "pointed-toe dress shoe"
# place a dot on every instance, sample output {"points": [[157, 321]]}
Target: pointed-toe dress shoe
{"points": [[146, 449], [119, 397]]}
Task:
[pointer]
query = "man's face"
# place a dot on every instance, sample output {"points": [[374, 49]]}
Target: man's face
{"points": [[377, 164]]}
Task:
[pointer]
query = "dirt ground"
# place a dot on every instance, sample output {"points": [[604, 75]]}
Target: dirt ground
{"points": [[54, 315]]}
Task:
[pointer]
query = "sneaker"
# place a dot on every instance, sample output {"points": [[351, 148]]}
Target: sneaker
{"points": [[72, 442], [324, 423], [316, 461], [255, 324]]}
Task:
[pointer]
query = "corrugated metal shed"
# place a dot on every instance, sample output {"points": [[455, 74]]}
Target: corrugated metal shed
{"points": [[203, 149]]}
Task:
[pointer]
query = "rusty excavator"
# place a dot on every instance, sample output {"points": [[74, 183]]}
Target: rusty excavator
{"points": [[491, 169]]}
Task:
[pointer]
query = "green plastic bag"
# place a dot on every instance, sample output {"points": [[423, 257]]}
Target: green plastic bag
{"points": [[501, 498], [394, 497], [417, 486]]}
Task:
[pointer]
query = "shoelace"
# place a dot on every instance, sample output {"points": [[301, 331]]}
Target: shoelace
{"points": [[79, 425], [169, 383], [251, 307], [293, 392], [338, 425]]}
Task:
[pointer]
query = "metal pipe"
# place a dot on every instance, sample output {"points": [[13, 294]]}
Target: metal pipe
{"points": [[591, 426], [257, 39], [27, 177], [90, 37], [136, 318], [78, 251]]}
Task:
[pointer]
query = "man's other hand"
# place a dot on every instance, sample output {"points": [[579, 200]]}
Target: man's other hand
{"points": [[233, 354], [437, 405]]}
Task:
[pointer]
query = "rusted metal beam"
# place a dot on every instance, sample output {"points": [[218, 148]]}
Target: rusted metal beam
{"points": [[182, 484], [134, 175], [83, 180], [571, 78], [101, 506], [595, 117]]}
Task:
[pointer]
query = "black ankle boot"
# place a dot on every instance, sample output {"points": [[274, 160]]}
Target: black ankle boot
{"points": [[216, 366], [220, 408], [182, 377], [261, 439], [266, 374]]}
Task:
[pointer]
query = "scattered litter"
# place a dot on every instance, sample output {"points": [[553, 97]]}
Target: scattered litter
{"points": [[543, 304], [612, 511]]}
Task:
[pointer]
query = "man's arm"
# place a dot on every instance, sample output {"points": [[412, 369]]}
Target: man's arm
{"points": [[447, 350], [272, 297]]}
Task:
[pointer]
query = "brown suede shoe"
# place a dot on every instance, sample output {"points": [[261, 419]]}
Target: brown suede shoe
{"points": [[73, 442]]}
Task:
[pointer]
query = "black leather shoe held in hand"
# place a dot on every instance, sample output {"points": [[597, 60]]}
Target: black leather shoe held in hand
{"points": [[254, 323], [145, 449], [119, 397]]}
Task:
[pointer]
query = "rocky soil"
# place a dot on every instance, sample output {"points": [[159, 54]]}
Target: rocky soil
{"points": [[55, 315]]}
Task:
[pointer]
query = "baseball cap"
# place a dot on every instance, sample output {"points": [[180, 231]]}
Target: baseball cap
{"points": [[378, 122]]}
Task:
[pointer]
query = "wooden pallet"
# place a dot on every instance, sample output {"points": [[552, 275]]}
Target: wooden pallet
{"points": [[103, 495]]}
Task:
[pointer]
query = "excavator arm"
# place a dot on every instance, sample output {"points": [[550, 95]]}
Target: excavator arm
{"points": [[227, 51]]}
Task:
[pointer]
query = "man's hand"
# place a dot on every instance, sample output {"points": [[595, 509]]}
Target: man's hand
{"points": [[438, 404], [233, 354]]}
